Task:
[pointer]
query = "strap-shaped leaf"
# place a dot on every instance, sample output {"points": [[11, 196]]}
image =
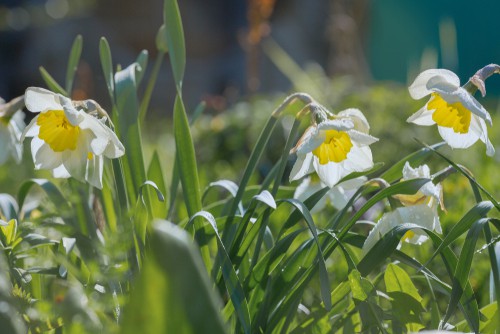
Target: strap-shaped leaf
{"points": [[174, 34], [74, 59], [233, 284], [173, 293], [461, 276]]}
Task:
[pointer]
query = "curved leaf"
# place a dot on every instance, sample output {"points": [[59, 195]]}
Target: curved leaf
{"points": [[173, 293], [233, 284]]}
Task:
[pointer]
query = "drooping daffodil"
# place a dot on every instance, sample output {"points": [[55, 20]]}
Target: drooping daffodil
{"points": [[338, 196], [11, 127], [460, 118], [334, 148], [66, 139], [419, 209]]}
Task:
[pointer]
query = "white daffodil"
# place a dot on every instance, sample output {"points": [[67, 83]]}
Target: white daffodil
{"points": [[334, 148], [67, 140], [11, 127], [419, 209], [460, 118], [338, 196]]}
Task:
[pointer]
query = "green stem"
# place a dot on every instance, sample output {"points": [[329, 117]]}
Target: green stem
{"points": [[149, 88]]}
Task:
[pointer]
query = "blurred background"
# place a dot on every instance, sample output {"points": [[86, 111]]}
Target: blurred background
{"points": [[244, 56], [229, 42]]}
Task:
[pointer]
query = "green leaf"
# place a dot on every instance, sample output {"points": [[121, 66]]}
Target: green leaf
{"points": [[175, 40], [405, 188], [51, 82], [478, 211], [461, 276], [232, 282], [416, 158], [249, 169], [228, 185], [107, 67], [74, 59], [357, 289], [142, 60], [173, 293], [128, 127], [10, 318], [266, 198], [155, 173], [323, 274], [50, 189], [8, 206], [188, 169]]}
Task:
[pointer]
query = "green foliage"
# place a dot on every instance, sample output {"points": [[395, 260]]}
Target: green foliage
{"points": [[246, 255]]}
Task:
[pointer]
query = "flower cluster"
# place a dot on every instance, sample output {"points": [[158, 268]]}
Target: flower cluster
{"points": [[338, 145]]}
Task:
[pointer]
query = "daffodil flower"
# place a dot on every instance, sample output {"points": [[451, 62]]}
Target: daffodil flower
{"points": [[338, 196], [460, 118], [334, 148], [66, 139], [419, 209], [11, 127]]}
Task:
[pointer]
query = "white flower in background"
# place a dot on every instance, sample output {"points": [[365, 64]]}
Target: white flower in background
{"points": [[460, 118], [419, 209], [334, 148], [11, 127], [67, 140], [338, 196]]}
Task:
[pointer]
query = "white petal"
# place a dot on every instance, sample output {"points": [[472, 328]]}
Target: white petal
{"points": [[459, 140], [361, 138], [338, 197], [358, 159], [413, 173], [39, 99], [468, 101], [5, 147], [311, 139], [75, 117], [43, 156], [305, 189], [336, 124], [329, 173], [14, 145], [60, 172], [360, 122], [302, 166], [75, 161], [422, 117], [353, 184], [31, 130], [94, 171], [429, 79], [490, 150]]}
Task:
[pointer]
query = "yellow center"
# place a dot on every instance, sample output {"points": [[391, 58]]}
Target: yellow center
{"points": [[408, 235], [57, 131], [335, 147], [449, 115]]}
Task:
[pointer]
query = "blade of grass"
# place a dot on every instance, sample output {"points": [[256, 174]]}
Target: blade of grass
{"points": [[51, 82], [74, 59], [462, 270]]}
